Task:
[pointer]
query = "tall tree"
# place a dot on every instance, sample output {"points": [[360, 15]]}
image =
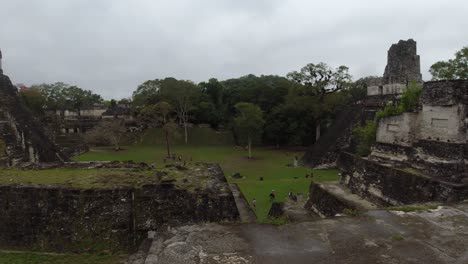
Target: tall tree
{"points": [[159, 115], [452, 69], [321, 80], [249, 122], [147, 93], [183, 95]]}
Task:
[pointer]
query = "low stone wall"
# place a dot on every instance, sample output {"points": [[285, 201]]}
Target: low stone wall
{"points": [[385, 185], [324, 203], [83, 220]]}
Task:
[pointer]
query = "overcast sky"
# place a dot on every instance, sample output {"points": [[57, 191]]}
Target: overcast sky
{"points": [[111, 46]]}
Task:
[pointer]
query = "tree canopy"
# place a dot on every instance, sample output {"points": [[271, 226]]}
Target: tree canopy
{"points": [[456, 68]]}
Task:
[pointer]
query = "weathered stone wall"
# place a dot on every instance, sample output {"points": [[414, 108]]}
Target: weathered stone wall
{"points": [[443, 123], [403, 63], [400, 130], [444, 112], [390, 186], [79, 220], [324, 203]]}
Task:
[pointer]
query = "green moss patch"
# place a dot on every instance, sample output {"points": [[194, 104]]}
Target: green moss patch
{"points": [[195, 176], [41, 258]]}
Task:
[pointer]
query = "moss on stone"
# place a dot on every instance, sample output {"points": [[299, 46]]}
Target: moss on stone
{"points": [[193, 177]]}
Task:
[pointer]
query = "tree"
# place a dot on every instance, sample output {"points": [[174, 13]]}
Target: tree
{"points": [[108, 132], [33, 99], [147, 93], [322, 79], [249, 122], [452, 69], [159, 115], [183, 95], [61, 96]]}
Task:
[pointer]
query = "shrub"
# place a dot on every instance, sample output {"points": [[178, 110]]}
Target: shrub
{"points": [[365, 137], [410, 97], [389, 110]]}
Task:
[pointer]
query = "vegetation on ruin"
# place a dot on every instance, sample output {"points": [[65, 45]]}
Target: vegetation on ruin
{"points": [[18, 257], [451, 69], [103, 178], [365, 136]]}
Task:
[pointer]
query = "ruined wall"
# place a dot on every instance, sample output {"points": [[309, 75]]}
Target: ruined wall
{"points": [[403, 66], [445, 123], [326, 204], [444, 111], [386, 185], [400, 130], [403, 63], [79, 220], [25, 138]]}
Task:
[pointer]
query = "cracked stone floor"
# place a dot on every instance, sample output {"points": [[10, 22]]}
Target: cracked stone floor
{"points": [[435, 236]]}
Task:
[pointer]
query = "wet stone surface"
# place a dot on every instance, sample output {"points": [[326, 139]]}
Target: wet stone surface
{"points": [[379, 236]]}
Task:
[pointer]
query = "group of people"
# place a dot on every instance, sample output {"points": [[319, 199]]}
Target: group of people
{"points": [[272, 199]]}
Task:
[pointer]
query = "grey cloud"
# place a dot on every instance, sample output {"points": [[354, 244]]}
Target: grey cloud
{"points": [[111, 46]]}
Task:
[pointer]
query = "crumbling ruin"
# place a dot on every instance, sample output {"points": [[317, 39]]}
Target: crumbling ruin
{"points": [[24, 139], [419, 156], [114, 216], [403, 67]]}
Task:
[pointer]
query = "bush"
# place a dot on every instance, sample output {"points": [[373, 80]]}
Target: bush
{"points": [[389, 110], [410, 98], [365, 137]]}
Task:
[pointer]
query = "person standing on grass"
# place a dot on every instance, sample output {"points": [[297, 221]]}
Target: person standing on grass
{"points": [[272, 196], [254, 204]]}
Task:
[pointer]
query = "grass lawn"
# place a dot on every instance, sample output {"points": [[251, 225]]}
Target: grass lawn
{"points": [[43, 258], [267, 163]]}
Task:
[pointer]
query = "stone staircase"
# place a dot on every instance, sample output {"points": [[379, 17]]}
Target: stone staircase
{"points": [[331, 199]]}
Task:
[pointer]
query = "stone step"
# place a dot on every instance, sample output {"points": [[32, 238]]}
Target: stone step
{"points": [[245, 212], [331, 199]]}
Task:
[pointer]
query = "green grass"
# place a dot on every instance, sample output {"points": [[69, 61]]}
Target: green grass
{"points": [[44, 258], [267, 163]]}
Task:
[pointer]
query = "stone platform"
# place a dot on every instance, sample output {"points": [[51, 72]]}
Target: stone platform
{"points": [[379, 236], [330, 199]]}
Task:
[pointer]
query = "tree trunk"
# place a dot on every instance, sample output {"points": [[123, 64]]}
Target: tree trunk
{"points": [[317, 131], [185, 131], [249, 146], [167, 144]]}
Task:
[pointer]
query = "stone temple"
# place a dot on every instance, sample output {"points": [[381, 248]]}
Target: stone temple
{"points": [[22, 135], [403, 67], [419, 156]]}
